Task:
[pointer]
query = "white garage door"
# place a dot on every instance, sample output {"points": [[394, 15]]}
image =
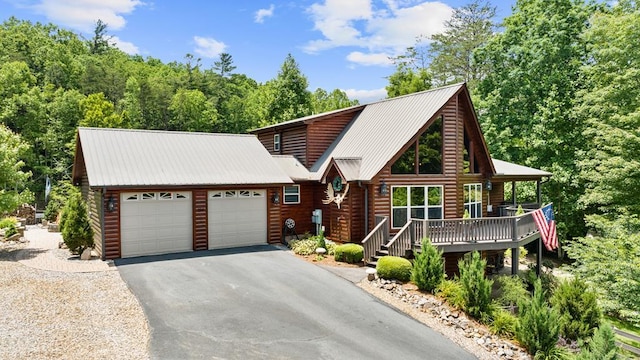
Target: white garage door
{"points": [[155, 223], [237, 218]]}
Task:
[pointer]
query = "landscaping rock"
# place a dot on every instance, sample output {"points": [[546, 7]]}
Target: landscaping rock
{"points": [[86, 254]]}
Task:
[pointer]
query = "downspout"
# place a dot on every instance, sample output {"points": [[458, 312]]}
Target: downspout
{"points": [[366, 207], [104, 191]]}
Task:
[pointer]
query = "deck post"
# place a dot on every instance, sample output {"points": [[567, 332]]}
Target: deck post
{"points": [[539, 258], [513, 193], [515, 251], [412, 233], [539, 192]]}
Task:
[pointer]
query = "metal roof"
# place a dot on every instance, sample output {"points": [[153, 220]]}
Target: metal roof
{"points": [[292, 167], [309, 118], [507, 169], [118, 157], [349, 167], [383, 128]]}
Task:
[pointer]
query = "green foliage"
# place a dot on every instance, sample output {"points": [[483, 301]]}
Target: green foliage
{"points": [[428, 267], [394, 267], [451, 51], [350, 253], [578, 308], [512, 290], [538, 325], [503, 323], [546, 277], [58, 197], [303, 247], [602, 345], [74, 225], [291, 99], [612, 266], [476, 288], [9, 225], [12, 150], [451, 290], [520, 210], [320, 241]]}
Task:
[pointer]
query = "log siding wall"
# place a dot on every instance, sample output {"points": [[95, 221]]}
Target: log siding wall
{"points": [[321, 134], [200, 219]]}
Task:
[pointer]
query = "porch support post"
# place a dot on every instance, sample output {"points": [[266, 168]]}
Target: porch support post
{"points": [[539, 258], [539, 192], [515, 251], [513, 193], [515, 260]]}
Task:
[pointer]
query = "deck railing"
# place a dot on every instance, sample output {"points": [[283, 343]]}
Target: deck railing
{"points": [[376, 238], [451, 231], [402, 241]]}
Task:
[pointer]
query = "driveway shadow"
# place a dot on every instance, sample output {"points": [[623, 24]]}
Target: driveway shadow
{"points": [[196, 254]]}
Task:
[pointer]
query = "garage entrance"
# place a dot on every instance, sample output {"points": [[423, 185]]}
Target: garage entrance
{"points": [[237, 218], [155, 223]]}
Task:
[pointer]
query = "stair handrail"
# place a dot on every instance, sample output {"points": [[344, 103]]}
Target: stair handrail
{"points": [[375, 239], [401, 242]]}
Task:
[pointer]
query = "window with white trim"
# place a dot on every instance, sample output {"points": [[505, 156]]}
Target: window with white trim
{"points": [[181, 195], [473, 200], [291, 194], [415, 202], [131, 197], [165, 196], [276, 142], [148, 196]]}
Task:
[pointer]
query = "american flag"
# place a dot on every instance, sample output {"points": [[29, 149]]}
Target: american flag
{"points": [[547, 227]]}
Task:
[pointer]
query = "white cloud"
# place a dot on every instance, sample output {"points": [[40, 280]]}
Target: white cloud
{"points": [[208, 47], [366, 96], [377, 27], [83, 14], [125, 46], [378, 59], [264, 13]]}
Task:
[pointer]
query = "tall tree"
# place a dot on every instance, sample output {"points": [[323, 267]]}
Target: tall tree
{"points": [[99, 112], [12, 176], [292, 99], [190, 111], [610, 104], [99, 43], [337, 99], [224, 65], [412, 73], [527, 97], [451, 52]]}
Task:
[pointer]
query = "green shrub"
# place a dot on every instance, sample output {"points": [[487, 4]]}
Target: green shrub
{"points": [[428, 267], [331, 247], [57, 199], [9, 226], [53, 209], [512, 290], [74, 225], [303, 247], [451, 291], [578, 307], [394, 267], [476, 288], [320, 241], [538, 325], [503, 323], [548, 280], [350, 253], [602, 345]]}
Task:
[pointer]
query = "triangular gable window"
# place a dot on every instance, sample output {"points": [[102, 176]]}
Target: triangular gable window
{"points": [[470, 162], [425, 155]]}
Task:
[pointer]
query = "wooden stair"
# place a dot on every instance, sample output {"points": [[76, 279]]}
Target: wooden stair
{"points": [[373, 261]]}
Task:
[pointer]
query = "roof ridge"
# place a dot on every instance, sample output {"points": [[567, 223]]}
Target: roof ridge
{"points": [[164, 132], [418, 93]]}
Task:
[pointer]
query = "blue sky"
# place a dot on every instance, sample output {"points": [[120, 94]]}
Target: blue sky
{"points": [[342, 44]]}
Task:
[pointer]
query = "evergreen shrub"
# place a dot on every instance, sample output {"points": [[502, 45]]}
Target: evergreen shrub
{"points": [[476, 288], [578, 307], [451, 291], [74, 225], [538, 325], [349, 253], [428, 267], [394, 267]]}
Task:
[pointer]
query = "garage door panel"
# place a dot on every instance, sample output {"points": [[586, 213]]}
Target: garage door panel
{"points": [[155, 226], [238, 220]]}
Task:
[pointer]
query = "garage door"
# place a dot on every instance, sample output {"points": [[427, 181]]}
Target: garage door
{"points": [[155, 223], [237, 218]]}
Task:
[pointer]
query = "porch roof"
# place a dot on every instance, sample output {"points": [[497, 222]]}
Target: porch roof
{"points": [[505, 169], [292, 167]]}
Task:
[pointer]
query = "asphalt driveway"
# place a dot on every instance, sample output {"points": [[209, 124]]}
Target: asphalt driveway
{"points": [[264, 303]]}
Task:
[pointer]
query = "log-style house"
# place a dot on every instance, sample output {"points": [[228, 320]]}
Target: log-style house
{"points": [[385, 174]]}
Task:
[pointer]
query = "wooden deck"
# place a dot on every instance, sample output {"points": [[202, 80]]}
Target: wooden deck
{"points": [[462, 235]]}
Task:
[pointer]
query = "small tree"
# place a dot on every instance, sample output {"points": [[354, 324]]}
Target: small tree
{"points": [[538, 327], [428, 267], [74, 225], [602, 346], [578, 306], [476, 287]]}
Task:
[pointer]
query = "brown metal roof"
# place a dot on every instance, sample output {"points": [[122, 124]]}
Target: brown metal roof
{"points": [[383, 128], [118, 157]]}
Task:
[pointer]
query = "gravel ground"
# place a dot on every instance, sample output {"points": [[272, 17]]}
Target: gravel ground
{"points": [[56, 315]]}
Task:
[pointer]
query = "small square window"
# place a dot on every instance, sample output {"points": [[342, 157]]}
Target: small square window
{"points": [[276, 142], [292, 194], [131, 197], [258, 194]]}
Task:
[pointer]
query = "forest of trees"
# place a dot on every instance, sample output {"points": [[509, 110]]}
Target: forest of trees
{"points": [[555, 87]]}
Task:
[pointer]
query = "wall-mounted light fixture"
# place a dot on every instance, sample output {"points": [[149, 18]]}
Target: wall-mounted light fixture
{"points": [[111, 204], [275, 198], [384, 188], [488, 185]]}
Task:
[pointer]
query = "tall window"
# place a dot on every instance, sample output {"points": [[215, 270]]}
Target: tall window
{"points": [[425, 155], [415, 202], [473, 199], [276, 142]]}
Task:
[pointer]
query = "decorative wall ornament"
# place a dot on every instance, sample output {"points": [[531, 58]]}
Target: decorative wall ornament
{"points": [[333, 197]]}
